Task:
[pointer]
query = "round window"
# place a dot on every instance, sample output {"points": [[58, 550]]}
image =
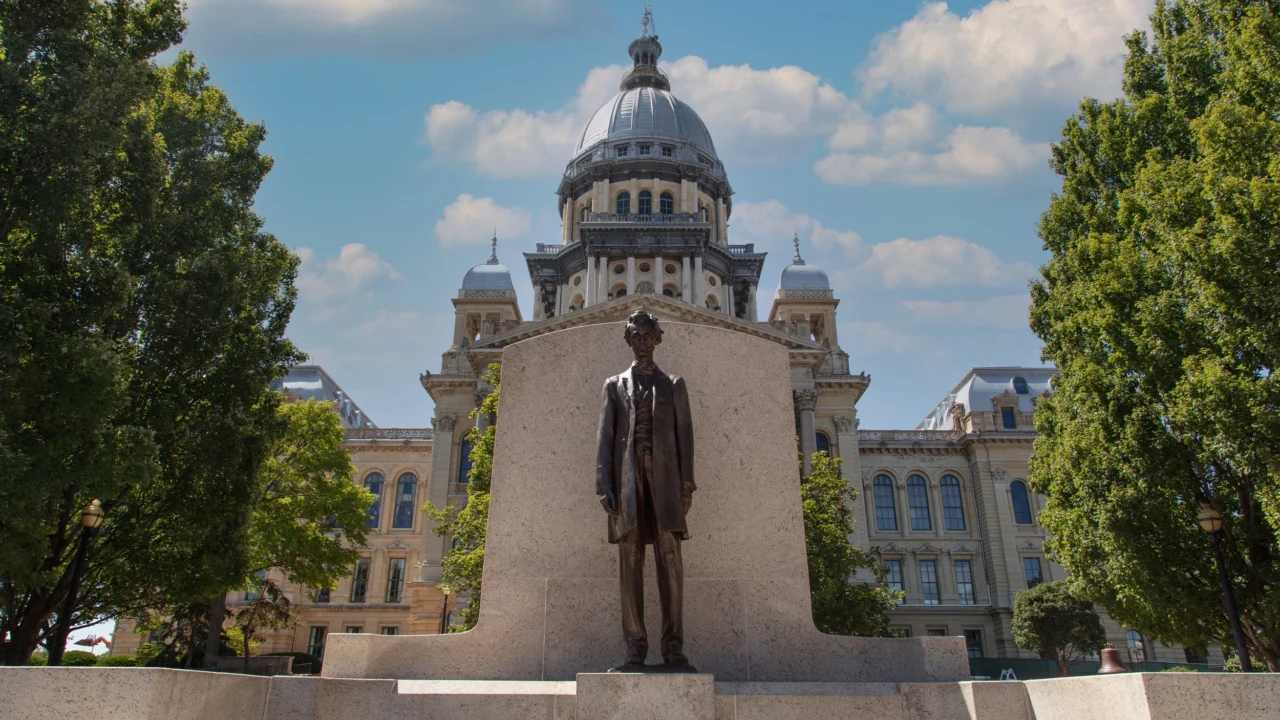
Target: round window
{"points": [[644, 267], [619, 269], [577, 280], [711, 281], [671, 269]]}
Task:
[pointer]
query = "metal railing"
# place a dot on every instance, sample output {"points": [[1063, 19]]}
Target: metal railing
{"points": [[650, 219], [748, 249], [909, 435], [387, 434]]}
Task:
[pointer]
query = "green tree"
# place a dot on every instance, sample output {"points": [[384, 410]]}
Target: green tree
{"points": [[142, 315], [1159, 307], [842, 604], [463, 565], [1049, 620]]}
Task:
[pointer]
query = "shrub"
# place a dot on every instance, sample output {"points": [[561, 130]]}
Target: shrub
{"points": [[118, 661], [78, 658], [1178, 668], [38, 659], [300, 659]]}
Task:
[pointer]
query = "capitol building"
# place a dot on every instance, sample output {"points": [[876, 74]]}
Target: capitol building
{"points": [[645, 203]]}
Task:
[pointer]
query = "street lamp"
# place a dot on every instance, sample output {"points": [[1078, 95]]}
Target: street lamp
{"points": [[90, 519], [444, 614], [1210, 520]]}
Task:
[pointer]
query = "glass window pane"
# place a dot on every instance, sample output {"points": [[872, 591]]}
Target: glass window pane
{"points": [[464, 461], [624, 204], [952, 504], [373, 483], [391, 630], [918, 503], [973, 641], [1031, 570], [893, 575], [1021, 503], [1020, 386], [823, 443], [1137, 646], [929, 581], [360, 581], [667, 204], [406, 493], [646, 203], [964, 582], [315, 642], [886, 512], [395, 580], [1009, 419]]}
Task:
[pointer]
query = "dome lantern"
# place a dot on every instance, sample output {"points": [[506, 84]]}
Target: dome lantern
{"points": [[645, 51], [799, 277], [491, 277]]}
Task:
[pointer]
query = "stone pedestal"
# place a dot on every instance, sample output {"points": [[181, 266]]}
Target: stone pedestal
{"points": [[645, 696]]}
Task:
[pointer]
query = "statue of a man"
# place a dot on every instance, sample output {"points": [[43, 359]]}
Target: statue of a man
{"points": [[644, 477]]}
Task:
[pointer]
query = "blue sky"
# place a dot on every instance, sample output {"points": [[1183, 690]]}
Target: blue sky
{"points": [[906, 143]]}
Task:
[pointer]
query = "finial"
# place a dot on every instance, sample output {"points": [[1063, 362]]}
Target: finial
{"points": [[493, 257], [795, 240], [649, 28]]}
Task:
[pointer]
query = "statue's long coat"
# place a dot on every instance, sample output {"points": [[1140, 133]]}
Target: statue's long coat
{"points": [[672, 452]]}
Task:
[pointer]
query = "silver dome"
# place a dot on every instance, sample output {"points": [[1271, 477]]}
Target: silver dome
{"points": [[804, 277], [645, 112], [492, 275]]}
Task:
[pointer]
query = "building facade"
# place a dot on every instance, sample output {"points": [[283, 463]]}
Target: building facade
{"points": [[645, 204]]}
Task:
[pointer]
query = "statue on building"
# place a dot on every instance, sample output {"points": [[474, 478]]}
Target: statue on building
{"points": [[644, 477]]}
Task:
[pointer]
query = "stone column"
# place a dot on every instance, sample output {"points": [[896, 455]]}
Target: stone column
{"points": [[688, 196], [591, 282], [567, 219], [658, 278], [722, 223], [728, 291], [438, 490], [847, 450], [806, 402], [602, 276], [562, 297], [686, 291], [631, 274], [699, 296], [751, 305]]}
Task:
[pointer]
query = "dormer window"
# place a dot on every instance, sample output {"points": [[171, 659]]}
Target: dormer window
{"points": [[1008, 418], [668, 151], [1020, 386], [703, 159], [644, 149], [621, 151]]}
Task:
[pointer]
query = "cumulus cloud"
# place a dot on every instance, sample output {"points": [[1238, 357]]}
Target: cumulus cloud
{"points": [[471, 220], [940, 261], [773, 224], [876, 338], [1007, 53], [1003, 312], [401, 28], [969, 154], [355, 268]]}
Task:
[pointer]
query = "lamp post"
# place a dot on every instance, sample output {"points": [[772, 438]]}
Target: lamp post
{"points": [[1210, 521], [90, 519], [444, 614]]}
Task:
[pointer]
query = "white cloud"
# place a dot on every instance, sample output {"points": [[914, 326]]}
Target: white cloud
{"points": [[1004, 311], [404, 28], [354, 269], [940, 261], [1007, 53], [875, 338], [970, 154], [471, 220], [773, 224]]}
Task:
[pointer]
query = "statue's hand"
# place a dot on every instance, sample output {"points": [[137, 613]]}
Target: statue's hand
{"points": [[688, 502], [610, 503]]}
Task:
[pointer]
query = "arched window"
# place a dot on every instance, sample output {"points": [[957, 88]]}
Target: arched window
{"points": [[624, 203], [1020, 386], [1021, 502], [668, 292], [620, 292], [886, 510], [952, 504], [373, 483], [582, 214], [918, 503], [823, 443], [666, 204], [406, 494], [1137, 646], [464, 461], [646, 203]]}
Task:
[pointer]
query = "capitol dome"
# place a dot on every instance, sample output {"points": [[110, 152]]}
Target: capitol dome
{"points": [[490, 276], [646, 113], [801, 277]]}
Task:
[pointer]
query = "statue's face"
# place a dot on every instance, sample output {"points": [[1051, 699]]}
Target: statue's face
{"points": [[644, 338]]}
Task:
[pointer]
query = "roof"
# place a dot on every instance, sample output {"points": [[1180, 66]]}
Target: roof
{"points": [[978, 386], [311, 382], [645, 113]]}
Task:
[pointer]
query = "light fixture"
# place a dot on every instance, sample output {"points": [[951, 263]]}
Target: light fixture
{"points": [[92, 515], [1209, 519]]}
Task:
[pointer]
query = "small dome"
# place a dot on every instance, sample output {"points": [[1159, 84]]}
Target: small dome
{"points": [[799, 276], [492, 275]]}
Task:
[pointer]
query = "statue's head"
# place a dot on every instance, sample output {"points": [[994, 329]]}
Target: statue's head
{"points": [[642, 334]]}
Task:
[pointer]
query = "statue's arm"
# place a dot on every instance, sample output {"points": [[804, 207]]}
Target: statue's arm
{"points": [[684, 436], [604, 449]]}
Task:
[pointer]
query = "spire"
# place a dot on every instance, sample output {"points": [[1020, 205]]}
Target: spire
{"points": [[795, 240], [645, 51], [493, 257]]}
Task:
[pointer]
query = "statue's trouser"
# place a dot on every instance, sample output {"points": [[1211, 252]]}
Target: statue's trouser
{"points": [[670, 577]]}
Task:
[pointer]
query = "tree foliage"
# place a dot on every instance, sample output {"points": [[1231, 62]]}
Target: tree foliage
{"points": [[1159, 307], [142, 315], [463, 564], [842, 604], [1049, 620]]}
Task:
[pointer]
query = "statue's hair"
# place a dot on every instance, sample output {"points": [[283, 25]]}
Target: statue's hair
{"points": [[641, 316]]}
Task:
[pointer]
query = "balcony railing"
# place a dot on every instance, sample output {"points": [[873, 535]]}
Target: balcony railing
{"points": [[387, 434], [651, 219], [748, 249], [908, 435]]}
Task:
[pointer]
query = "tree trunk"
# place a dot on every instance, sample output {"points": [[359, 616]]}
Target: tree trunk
{"points": [[1064, 665], [217, 613], [247, 631]]}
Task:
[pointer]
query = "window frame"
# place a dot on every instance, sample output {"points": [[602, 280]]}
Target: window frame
{"points": [[969, 635], [316, 641], [932, 566], [464, 461], [643, 198], [893, 569], [1039, 568], [1020, 499], [622, 203], [1008, 418], [374, 517], [395, 581], [668, 151], [918, 490], [403, 504], [666, 203], [969, 596], [360, 581], [952, 503], [884, 483]]}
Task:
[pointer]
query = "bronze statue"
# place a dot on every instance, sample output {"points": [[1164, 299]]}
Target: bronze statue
{"points": [[644, 477]]}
